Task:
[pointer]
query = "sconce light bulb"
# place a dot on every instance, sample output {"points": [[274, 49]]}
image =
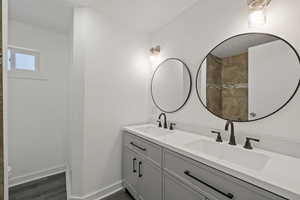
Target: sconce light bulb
{"points": [[257, 17]]}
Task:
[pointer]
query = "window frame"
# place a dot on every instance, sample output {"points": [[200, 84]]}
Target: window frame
{"points": [[13, 72]]}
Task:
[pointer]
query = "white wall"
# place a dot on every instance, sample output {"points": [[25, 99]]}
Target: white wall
{"points": [[4, 82], [193, 34], [37, 109], [115, 71], [76, 105]]}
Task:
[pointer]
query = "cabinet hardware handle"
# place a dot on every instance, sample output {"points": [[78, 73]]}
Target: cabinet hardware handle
{"points": [[140, 174], [137, 146], [133, 165], [228, 195]]}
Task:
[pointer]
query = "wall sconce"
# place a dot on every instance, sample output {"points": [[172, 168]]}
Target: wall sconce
{"points": [[257, 12], [155, 51]]}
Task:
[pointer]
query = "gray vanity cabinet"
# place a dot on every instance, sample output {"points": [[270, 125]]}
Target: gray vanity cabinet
{"points": [[150, 182], [130, 174], [151, 172], [142, 172]]}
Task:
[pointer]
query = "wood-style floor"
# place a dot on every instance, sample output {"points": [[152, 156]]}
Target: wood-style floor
{"points": [[121, 195], [49, 188]]}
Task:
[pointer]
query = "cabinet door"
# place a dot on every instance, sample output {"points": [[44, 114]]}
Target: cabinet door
{"points": [[174, 190], [130, 177], [149, 181]]}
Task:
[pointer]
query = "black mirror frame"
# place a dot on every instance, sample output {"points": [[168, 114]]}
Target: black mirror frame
{"points": [[190, 90], [281, 107]]}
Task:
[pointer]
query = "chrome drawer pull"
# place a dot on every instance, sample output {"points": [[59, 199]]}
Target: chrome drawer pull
{"points": [[228, 195], [141, 148]]}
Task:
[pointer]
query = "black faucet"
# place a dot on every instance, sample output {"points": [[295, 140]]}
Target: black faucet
{"points": [[165, 119], [232, 137]]}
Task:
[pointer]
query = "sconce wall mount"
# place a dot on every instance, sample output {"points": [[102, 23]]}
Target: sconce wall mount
{"points": [[155, 50], [154, 54]]}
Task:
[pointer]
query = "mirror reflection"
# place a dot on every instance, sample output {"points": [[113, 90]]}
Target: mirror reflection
{"points": [[248, 77], [171, 85]]}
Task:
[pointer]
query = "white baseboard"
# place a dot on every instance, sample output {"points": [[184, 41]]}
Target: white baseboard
{"points": [[35, 175], [68, 181], [102, 193]]}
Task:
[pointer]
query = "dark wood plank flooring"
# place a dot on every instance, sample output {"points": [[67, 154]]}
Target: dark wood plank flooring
{"points": [[121, 195], [48, 188], [51, 188]]}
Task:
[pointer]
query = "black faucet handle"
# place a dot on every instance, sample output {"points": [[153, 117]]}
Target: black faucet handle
{"points": [[219, 138], [159, 123], [248, 144], [172, 126]]}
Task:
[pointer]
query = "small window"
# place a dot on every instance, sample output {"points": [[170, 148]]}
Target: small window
{"points": [[23, 63]]}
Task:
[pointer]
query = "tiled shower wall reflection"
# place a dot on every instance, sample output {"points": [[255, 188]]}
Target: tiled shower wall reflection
{"points": [[214, 85], [227, 86]]}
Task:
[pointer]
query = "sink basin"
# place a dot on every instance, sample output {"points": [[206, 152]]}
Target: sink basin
{"points": [[173, 137], [207, 147], [154, 131], [230, 154], [246, 158], [179, 138]]}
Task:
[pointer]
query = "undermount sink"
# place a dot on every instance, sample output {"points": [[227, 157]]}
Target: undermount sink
{"points": [[232, 154], [168, 136], [154, 131], [207, 147], [229, 154]]}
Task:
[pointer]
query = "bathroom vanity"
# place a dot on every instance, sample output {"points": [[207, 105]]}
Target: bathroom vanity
{"points": [[159, 164]]}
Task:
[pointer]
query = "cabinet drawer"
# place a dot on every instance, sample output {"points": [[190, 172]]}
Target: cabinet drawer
{"points": [[151, 151], [174, 190], [213, 183]]}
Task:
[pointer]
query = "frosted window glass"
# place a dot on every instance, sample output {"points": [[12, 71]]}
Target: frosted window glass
{"points": [[25, 62]]}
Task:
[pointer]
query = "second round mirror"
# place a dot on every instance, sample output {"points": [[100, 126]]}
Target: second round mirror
{"points": [[248, 77]]}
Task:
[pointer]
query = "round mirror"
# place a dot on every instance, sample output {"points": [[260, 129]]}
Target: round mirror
{"points": [[171, 85], [248, 77]]}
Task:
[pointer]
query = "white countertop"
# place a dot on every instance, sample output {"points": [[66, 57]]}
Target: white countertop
{"points": [[281, 174]]}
